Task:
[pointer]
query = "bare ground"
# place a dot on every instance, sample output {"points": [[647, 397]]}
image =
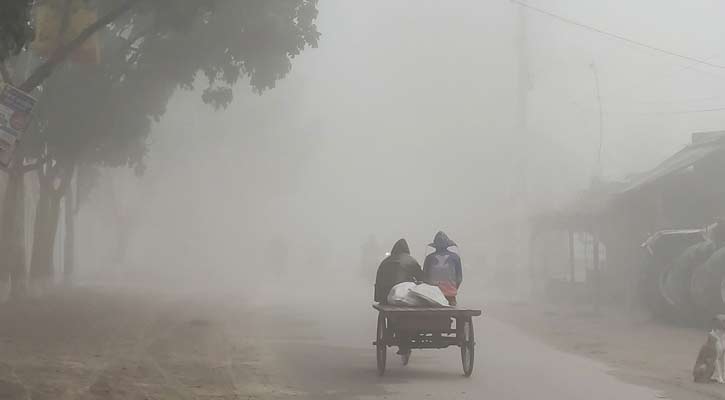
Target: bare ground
{"points": [[637, 349], [125, 344], [92, 345]]}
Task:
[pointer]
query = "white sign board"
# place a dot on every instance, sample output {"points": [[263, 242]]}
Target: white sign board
{"points": [[15, 109]]}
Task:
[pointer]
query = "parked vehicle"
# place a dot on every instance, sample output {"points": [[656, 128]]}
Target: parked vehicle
{"points": [[662, 282]]}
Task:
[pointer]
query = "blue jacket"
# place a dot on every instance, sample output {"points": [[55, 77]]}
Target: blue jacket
{"points": [[443, 267]]}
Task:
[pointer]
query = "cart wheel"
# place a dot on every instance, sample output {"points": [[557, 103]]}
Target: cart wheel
{"points": [[406, 358], [380, 345], [467, 347]]}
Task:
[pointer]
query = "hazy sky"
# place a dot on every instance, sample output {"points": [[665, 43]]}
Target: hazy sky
{"points": [[402, 123]]}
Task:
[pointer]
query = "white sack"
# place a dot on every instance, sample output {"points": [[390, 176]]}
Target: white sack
{"points": [[431, 294], [400, 295]]}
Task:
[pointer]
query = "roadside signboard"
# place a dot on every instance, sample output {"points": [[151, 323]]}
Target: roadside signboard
{"points": [[15, 109]]}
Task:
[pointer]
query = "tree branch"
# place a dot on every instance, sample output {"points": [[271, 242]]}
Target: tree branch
{"points": [[5, 74], [34, 165], [47, 174], [135, 38], [53, 169], [62, 53], [43, 179], [123, 52], [30, 167], [65, 181], [64, 22]]}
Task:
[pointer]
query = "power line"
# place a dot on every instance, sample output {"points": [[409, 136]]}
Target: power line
{"points": [[655, 112], [617, 36], [644, 82], [693, 60], [703, 110], [677, 101]]}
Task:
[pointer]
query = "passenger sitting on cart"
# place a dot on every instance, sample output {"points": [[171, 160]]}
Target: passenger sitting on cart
{"points": [[443, 268], [397, 268]]}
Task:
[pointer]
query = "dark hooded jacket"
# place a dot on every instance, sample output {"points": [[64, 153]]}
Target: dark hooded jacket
{"points": [[399, 267], [443, 267]]}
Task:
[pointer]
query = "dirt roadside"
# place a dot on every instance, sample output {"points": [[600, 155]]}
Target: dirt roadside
{"points": [[88, 344], [637, 349]]}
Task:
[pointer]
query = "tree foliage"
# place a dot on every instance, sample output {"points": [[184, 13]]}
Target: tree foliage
{"points": [[150, 54], [15, 28]]}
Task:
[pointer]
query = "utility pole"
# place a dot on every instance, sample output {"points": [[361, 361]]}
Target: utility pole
{"points": [[598, 170], [521, 137], [597, 177], [524, 82]]}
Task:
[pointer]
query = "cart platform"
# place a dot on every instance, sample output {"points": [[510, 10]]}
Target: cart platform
{"points": [[432, 311], [425, 328]]}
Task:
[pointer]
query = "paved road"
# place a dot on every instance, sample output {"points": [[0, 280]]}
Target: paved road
{"points": [[340, 364]]}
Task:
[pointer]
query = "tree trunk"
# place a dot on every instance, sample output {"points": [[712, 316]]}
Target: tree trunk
{"points": [[53, 220], [40, 229], [12, 234], [69, 239], [9, 210], [44, 232]]}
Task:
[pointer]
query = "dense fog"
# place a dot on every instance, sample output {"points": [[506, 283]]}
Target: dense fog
{"points": [[203, 194], [403, 122]]}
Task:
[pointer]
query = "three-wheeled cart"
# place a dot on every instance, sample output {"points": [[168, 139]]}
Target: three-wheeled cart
{"points": [[425, 328]]}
